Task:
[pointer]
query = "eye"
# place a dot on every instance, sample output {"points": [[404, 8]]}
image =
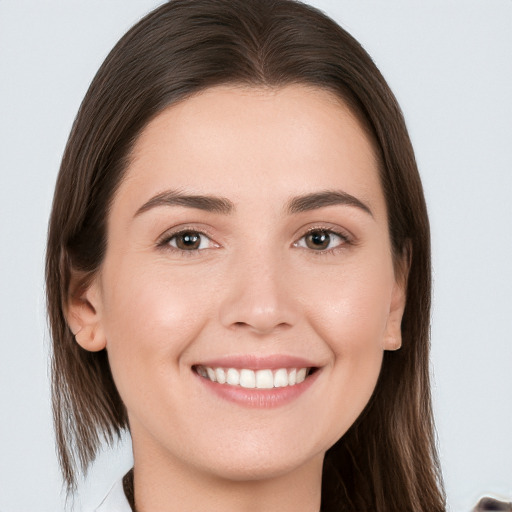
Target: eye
{"points": [[322, 240], [189, 241]]}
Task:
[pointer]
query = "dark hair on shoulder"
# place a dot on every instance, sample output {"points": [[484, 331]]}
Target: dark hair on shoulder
{"points": [[387, 461]]}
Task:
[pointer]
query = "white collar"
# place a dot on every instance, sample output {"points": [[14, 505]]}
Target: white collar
{"points": [[115, 500]]}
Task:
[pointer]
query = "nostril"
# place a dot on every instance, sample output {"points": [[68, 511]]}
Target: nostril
{"points": [[257, 309]]}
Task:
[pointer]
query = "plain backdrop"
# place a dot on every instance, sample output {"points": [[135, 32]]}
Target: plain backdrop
{"points": [[450, 65]]}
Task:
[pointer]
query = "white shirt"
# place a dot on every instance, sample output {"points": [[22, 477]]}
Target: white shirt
{"points": [[115, 500]]}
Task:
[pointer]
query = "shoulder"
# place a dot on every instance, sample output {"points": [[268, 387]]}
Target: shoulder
{"points": [[490, 504]]}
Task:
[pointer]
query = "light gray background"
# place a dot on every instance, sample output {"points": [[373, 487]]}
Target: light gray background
{"points": [[450, 65]]}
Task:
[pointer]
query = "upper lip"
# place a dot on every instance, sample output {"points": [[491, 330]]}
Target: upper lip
{"points": [[254, 362]]}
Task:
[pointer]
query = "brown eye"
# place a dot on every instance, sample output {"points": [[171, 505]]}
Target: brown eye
{"points": [[318, 240], [321, 240], [189, 241]]}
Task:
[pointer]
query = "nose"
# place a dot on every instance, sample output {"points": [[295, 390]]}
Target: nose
{"points": [[258, 297]]}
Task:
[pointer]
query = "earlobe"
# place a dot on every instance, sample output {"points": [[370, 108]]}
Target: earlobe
{"points": [[91, 339], [83, 315]]}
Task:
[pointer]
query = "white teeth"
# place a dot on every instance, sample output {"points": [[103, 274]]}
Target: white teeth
{"points": [[221, 375], [233, 377], [281, 378], [301, 375], [247, 379], [259, 379], [211, 374], [264, 379]]}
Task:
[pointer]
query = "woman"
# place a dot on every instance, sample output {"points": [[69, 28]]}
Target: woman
{"points": [[238, 270]]}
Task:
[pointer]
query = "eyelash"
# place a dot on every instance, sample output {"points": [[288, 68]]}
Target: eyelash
{"points": [[346, 239], [164, 243]]}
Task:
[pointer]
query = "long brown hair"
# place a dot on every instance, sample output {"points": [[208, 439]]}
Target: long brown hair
{"points": [[387, 460]]}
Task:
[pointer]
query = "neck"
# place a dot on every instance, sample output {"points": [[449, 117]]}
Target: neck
{"points": [[173, 486]]}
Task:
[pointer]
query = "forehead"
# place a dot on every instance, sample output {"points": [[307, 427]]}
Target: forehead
{"points": [[251, 142]]}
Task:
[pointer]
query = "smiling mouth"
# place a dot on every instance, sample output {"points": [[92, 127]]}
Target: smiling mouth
{"points": [[255, 379]]}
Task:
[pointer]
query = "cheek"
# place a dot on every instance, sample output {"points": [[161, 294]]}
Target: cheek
{"points": [[150, 318], [350, 316], [350, 310]]}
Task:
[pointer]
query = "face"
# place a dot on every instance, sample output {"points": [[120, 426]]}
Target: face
{"points": [[248, 243]]}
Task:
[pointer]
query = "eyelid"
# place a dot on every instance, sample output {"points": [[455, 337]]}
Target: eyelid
{"points": [[344, 234], [164, 239]]}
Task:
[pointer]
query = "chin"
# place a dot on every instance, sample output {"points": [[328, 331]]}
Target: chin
{"points": [[256, 460], [264, 469]]}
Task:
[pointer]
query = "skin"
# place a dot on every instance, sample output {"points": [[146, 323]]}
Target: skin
{"points": [[253, 288]]}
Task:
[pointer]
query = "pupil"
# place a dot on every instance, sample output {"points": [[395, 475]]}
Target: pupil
{"points": [[189, 240], [318, 240]]}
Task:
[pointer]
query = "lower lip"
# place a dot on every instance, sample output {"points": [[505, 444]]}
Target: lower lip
{"points": [[259, 398]]}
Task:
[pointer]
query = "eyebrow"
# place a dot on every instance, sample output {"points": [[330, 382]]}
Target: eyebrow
{"points": [[224, 206], [325, 198], [178, 198]]}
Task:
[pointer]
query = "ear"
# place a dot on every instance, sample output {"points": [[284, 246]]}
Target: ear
{"points": [[83, 313], [393, 334]]}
